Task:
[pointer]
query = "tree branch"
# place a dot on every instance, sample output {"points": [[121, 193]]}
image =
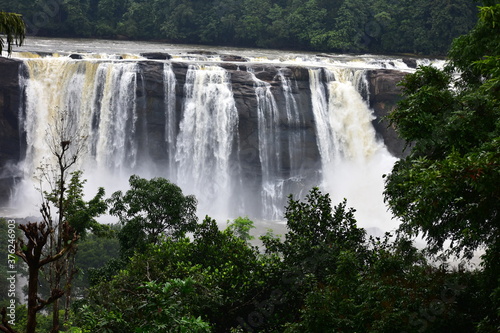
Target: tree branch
{"points": [[5, 327], [56, 294]]}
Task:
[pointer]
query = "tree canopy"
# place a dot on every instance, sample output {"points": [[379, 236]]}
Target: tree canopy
{"points": [[150, 211], [447, 188], [12, 26], [326, 275]]}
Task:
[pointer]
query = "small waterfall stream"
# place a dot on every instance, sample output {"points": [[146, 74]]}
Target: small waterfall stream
{"points": [[269, 149], [170, 116], [206, 136]]}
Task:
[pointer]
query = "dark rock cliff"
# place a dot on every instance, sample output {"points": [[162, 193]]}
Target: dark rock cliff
{"points": [[384, 96], [10, 98]]}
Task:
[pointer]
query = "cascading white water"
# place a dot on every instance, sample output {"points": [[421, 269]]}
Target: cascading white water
{"points": [[269, 150], [99, 98], [325, 134], [100, 95], [116, 145], [353, 160], [295, 135], [169, 85], [349, 116], [207, 133]]}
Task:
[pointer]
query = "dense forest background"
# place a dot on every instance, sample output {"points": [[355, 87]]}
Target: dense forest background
{"points": [[377, 26]]}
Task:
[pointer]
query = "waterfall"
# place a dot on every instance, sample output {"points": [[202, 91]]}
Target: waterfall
{"points": [[99, 99], [169, 84], [116, 144], [269, 149], [325, 135], [240, 141], [207, 137], [353, 160], [344, 121], [295, 136]]}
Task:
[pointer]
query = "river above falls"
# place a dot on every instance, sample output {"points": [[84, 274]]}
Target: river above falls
{"points": [[106, 49]]}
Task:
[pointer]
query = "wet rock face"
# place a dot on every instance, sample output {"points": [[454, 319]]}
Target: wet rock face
{"points": [[156, 55], [233, 58], [10, 95], [384, 96], [152, 119]]}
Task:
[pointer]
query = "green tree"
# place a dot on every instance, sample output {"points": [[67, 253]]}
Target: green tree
{"points": [[241, 227], [419, 26], [325, 276], [447, 188], [109, 14], [93, 253], [448, 24], [317, 236], [218, 23], [52, 242], [14, 29], [307, 22], [152, 307], [390, 289], [77, 19], [218, 271], [150, 211], [73, 218], [316, 230], [349, 30], [252, 26]]}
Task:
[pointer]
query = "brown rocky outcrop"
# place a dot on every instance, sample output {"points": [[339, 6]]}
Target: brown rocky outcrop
{"points": [[384, 96]]}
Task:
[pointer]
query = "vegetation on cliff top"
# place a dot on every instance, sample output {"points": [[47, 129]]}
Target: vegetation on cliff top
{"points": [[377, 26], [14, 29]]}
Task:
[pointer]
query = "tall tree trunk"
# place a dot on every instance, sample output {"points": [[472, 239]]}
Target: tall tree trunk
{"points": [[32, 298], [59, 265], [55, 307], [70, 274], [55, 317]]}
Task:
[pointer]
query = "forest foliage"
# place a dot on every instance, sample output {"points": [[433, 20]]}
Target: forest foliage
{"points": [[12, 31], [377, 26]]}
